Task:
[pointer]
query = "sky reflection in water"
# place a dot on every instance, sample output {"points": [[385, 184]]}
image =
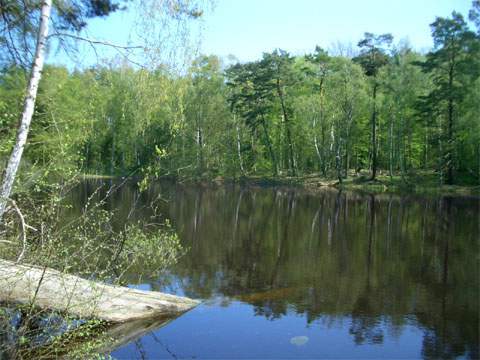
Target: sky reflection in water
{"points": [[287, 274]]}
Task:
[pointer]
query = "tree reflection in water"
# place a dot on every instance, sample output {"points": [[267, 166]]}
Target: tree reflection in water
{"points": [[376, 263]]}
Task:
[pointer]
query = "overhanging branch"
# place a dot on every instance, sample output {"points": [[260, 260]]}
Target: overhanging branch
{"points": [[95, 41]]}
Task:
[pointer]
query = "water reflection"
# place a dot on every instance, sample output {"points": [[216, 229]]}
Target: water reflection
{"points": [[373, 266]]}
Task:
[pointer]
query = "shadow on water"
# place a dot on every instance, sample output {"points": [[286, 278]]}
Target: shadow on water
{"points": [[376, 272]]}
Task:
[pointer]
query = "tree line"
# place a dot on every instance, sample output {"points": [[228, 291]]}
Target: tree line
{"points": [[381, 108]]}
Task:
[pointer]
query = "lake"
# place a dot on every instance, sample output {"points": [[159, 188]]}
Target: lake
{"points": [[285, 273]]}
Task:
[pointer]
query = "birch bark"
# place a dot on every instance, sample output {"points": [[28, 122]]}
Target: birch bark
{"points": [[28, 108]]}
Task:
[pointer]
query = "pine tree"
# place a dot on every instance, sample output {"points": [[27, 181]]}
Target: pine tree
{"points": [[453, 66]]}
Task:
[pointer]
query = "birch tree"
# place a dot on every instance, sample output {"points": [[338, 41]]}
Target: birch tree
{"points": [[28, 107], [20, 32], [17, 29]]}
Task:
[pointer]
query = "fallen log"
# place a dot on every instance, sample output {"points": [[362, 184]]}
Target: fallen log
{"points": [[51, 289]]}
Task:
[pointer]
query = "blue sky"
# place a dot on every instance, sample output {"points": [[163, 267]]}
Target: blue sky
{"points": [[247, 28]]}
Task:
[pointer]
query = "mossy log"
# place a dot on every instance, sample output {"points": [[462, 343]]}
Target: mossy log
{"points": [[50, 289]]}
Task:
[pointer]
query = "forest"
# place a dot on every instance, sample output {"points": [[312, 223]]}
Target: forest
{"points": [[378, 108], [134, 190]]}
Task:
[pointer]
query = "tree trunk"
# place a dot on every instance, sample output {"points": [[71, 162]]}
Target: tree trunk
{"points": [[391, 147], [332, 142], [287, 130], [425, 148], [315, 142], [347, 151], [54, 290], [112, 151], [338, 162], [374, 132], [325, 162], [401, 147], [478, 162], [200, 162], [347, 141], [28, 108], [239, 146], [321, 159], [270, 149], [449, 145]]}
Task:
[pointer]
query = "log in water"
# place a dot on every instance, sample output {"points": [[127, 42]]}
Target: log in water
{"points": [[50, 289]]}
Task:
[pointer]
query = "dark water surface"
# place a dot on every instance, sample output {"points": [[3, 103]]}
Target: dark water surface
{"points": [[287, 274]]}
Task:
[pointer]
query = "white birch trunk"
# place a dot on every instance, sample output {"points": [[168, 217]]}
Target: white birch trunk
{"points": [[239, 146], [391, 145], [315, 140], [28, 108]]}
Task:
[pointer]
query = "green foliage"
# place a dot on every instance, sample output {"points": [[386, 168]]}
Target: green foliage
{"points": [[453, 67], [372, 52], [280, 115], [86, 244], [12, 87]]}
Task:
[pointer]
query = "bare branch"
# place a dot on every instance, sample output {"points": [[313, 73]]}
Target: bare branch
{"points": [[94, 41], [23, 230], [123, 50], [7, 242]]}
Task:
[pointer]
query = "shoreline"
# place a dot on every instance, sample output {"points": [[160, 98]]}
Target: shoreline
{"points": [[383, 184]]}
